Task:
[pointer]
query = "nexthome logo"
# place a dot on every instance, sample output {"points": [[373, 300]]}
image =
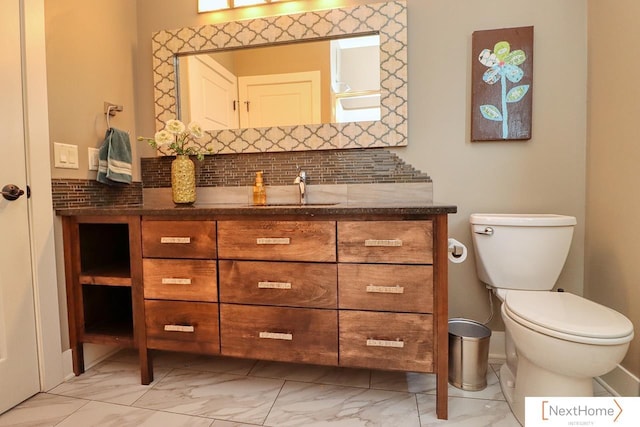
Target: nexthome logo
{"points": [[550, 410], [581, 411]]}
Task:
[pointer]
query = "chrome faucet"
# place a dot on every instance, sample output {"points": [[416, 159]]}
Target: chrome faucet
{"points": [[301, 180]]}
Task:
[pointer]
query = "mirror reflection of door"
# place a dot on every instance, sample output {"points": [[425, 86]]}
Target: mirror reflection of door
{"points": [[355, 79], [209, 93], [349, 81], [279, 99]]}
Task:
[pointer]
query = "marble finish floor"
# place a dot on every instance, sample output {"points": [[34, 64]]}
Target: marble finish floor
{"points": [[204, 391]]}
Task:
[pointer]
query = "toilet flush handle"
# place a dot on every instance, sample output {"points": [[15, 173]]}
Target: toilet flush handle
{"points": [[488, 231]]}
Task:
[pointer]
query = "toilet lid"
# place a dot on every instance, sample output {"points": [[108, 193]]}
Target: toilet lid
{"points": [[567, 314]]}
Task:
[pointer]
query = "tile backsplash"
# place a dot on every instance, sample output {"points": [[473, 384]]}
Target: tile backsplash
{"points": [[359, 166], [81, 193]]}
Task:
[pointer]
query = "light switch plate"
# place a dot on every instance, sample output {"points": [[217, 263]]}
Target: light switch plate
{"points": [[93, 159], [65, 155]]}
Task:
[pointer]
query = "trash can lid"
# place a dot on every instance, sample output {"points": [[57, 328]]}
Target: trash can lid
{"points": [[467, 328]]}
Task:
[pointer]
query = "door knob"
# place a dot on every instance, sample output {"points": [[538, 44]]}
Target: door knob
{"points": [[11, 192]]}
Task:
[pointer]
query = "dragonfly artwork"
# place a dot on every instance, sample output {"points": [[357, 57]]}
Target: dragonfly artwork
{"points": [[502, 100]]}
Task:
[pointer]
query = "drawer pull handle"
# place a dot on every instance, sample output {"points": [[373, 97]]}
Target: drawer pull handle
{"points": [[274, 285], [383, 243], [273, 241], [173, 240], [385, 343], [179, 328], [276, 336], [175, 281], [385, 289]]}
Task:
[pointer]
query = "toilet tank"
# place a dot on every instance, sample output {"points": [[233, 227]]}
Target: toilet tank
{"points": [[515, 251]]}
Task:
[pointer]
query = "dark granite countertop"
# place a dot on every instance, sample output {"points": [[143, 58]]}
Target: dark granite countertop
{"points": [[246, 210]]}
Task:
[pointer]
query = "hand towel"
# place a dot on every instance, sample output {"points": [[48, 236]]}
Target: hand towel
{"points": [[114, 158]]}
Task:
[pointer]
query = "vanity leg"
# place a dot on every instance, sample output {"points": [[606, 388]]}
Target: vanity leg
{"points": [[137, 296], [77, 357], [442, 398], [441, 296], [146, 367], [75, 315]]}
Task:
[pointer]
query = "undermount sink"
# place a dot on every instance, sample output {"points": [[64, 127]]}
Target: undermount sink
{"points": [[294, 205]]}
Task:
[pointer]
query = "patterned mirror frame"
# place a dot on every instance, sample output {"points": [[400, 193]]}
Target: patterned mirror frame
{"points": [[388, 19]]}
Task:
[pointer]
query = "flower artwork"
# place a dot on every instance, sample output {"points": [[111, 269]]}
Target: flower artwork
{"points": [[174, 138], [502, 84]]}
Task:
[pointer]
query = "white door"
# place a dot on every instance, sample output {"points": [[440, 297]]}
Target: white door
{"points": [[19, 375], [212, 92], [280, 99]]}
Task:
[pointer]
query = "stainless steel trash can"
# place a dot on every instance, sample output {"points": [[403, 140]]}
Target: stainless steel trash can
{"points": [[468, 354]]}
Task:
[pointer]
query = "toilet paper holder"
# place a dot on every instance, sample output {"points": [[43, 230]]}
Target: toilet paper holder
{"points": [[456, 250]]}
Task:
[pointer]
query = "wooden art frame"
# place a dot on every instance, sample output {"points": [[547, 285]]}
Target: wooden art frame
{"points": [[502, 84]]}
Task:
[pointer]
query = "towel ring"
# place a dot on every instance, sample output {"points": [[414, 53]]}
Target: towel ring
{"points": [[110, 110]]}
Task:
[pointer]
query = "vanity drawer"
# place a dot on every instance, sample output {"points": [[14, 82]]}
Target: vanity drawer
{"points": [[182, 326], [300, 335], [180, 279], [294, 284], [399, 242], [395, 341], [179, 239], [277, 240], [386, 287]]}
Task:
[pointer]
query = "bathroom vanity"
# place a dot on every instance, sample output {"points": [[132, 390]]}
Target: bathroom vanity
{"points": [[352, 285]]}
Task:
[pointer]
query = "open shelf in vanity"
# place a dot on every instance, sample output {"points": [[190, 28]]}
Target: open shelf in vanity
{"points": [[101, 273]]}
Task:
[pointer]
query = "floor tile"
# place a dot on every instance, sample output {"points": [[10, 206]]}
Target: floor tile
{"points": [[42, 410], [312, 373], [200, 362], [98, 414], [304, 404], [220, 423], [466, 413], [412, 382], [491, 392], [426, 383], [214, 395], [214, 391], [599, 390], [112, 382], [227, 365]]}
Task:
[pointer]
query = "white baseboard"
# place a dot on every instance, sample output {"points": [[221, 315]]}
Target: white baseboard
{"points": [[93, 354], [67, 365], [620, 382]]}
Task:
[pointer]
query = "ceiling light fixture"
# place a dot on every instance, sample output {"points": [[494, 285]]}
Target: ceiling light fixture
{"points": [[211, 5]]}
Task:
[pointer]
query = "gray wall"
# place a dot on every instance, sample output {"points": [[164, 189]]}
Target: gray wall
{"points": [[545, 174], [611, 262]]}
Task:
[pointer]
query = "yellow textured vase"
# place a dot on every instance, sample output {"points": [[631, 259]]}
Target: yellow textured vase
{"points": [[183, 180]]}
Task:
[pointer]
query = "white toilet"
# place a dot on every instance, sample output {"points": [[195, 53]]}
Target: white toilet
{"points": [[556, 342]]}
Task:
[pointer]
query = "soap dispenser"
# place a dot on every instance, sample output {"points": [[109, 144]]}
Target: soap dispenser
{"points": [[259, 192]]}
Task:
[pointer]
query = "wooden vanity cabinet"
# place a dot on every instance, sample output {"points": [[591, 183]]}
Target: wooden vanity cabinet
{"points": [[366, 291], [282, 306], [180, 285], [385, 282]]}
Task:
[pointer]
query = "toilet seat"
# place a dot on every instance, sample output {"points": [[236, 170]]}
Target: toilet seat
{"points": [[569, 317]]}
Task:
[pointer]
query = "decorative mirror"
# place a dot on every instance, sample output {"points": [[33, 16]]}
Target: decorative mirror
{"points": [[385, 20]]}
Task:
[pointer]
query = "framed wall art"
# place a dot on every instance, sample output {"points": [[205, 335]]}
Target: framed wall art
{"points": [[502, 84]]}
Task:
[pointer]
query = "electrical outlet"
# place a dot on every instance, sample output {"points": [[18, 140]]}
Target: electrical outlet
{"points": [[93, 159], [65, 155]]}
